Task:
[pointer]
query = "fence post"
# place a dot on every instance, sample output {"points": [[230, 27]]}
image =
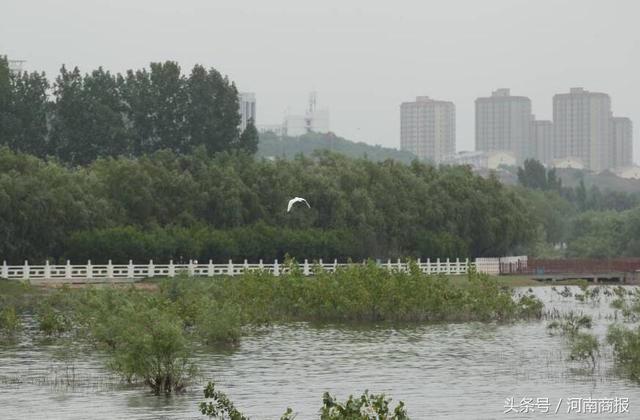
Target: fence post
{"points": [[67, 270], [25, 270], [172, 269], [130, 269], [230, 268], [389, 264], [47, 270], [458, 266], [109, 270], [335, 264], [152, 271], [5, 270], [246, 265], [399, 265], [210, 268], [305, 267], [466, 265], [276, 269], [448, 266], [89, 270], [191, 268], [428, 265], [261, 264]]}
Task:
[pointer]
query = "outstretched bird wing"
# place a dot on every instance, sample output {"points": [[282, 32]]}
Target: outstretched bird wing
{"points": [[295, 200]]}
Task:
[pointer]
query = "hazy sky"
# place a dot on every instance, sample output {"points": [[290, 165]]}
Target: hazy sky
{"points": [[362, 57]]}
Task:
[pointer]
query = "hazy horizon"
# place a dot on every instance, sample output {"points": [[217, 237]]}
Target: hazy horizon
{"points": [[363, 59]]}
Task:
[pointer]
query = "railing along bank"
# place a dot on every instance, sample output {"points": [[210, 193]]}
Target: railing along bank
{"points": [[111, 271]]}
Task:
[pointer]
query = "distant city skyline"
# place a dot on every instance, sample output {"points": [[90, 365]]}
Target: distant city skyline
{"points": [[364, 57], [584, 132]]}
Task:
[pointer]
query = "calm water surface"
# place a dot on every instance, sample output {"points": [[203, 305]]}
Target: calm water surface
{"points": [[444, 371]]}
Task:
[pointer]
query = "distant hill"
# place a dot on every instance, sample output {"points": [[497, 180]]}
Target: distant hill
{"points": [[605, 180], [571, 178], [272, 145]]}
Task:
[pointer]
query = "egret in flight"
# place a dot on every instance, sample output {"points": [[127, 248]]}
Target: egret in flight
{"points": [[296, 200]]}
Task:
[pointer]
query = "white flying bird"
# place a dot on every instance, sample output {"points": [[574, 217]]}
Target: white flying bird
{"points": [[296, 200]]}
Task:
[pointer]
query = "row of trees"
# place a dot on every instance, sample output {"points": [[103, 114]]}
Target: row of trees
{"points": [[374, 209], [534, 176], [101, 114], [590, 222]]}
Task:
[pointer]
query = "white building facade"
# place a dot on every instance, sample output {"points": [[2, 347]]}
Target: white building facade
{"points": [[247, 102]]}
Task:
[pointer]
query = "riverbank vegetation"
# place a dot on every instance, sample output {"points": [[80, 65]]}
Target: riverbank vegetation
{"points": [[150, 335]]}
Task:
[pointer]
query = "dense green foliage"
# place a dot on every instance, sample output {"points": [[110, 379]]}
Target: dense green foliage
{"points": [[534, 175], [370, 293], [366, 407], [590, 222], [101, 114], [272, 145], [165, 206]]}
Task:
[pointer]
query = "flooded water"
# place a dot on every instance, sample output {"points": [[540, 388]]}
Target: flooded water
{"points": [[443, 371]]}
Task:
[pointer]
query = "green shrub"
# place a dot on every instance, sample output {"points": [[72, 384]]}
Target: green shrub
{"points": [[366, 407], [52, 321], [584, 346], [9, 320]]}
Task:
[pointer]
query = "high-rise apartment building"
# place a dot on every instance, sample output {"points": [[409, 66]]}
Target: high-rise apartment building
{"points": [[503, 123], [428, 128], [542, 141], [621, 142], [582, 128], [247, 109]]}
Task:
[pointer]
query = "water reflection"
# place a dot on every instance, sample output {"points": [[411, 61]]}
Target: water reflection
{"points": [[450, 371]]}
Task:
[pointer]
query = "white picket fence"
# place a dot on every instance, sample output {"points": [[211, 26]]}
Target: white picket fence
{"points": [[98, 272]]}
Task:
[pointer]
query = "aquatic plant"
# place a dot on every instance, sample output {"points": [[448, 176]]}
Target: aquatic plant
{"points": [[9, 320], [626, 349], [366, 407], [626, 341], [570, 323], [52, 321], [582, 346], [221, 407]]}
